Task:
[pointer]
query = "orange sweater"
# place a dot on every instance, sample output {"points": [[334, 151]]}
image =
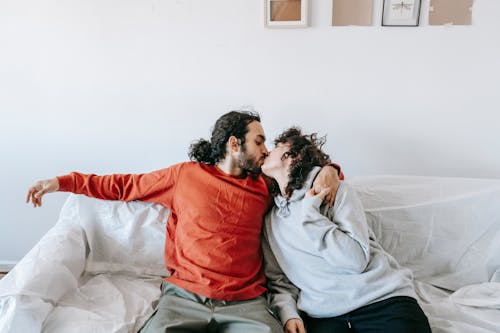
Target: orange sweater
{"points": [[213, 230]]}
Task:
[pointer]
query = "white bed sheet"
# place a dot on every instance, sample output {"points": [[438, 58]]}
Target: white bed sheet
{"points": [[99, 269], [474, 310], [447, 231]]}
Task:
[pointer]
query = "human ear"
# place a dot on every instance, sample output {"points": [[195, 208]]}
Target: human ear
{"points": [[234, 143]]}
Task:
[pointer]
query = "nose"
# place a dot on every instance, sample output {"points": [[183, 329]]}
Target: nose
{"points": [[265, 151]]}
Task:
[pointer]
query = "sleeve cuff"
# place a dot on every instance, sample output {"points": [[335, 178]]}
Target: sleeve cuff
{"points": [[66, 183], [339, 170], [287, 313]]}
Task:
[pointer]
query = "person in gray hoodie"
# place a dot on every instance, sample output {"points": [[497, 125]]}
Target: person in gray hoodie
{"points": [[324, 262]]}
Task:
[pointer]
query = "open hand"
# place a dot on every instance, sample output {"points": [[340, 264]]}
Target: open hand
{"points": [[37, 191]]}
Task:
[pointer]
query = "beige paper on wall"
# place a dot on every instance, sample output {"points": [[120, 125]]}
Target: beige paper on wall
{"points": [[352, 12], [457, 12]]}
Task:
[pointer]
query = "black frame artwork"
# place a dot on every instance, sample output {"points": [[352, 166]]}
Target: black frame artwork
{"points": [[401, 13]]}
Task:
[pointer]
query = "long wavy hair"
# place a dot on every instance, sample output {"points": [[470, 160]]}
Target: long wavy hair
{"points": [[306, 152], [234, 123]]}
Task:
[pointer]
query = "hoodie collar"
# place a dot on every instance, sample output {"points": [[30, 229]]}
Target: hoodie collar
{"points": [[283, 204]]}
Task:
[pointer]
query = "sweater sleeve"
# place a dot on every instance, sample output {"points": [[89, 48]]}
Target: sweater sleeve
{"points": [[157, 186], [282, 293], [343, 240]]}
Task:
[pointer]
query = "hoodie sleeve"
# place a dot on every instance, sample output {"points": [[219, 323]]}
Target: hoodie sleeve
{"points": [[282, 293], [342, 240]]}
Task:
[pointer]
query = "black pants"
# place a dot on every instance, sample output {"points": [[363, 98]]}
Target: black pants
{"points": [[397, 314]]}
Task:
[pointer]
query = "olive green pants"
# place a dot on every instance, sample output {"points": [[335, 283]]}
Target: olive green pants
{"points": [[182, 311]]}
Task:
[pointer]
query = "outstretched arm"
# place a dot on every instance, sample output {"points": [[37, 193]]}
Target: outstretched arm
{"points": [[155, 187]]}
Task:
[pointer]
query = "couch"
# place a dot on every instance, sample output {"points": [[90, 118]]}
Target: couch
{"points": [[100, 267]]}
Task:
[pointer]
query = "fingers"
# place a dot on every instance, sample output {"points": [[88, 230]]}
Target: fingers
{"points": [[38, 196], [324, 192], [301, 328], [310, 193], [40, 193], [35, 194], [295, 326], [328, 195], [28, 195], [31, 195], [321, 194], [330, 199], [35, 199], [332, 195]]}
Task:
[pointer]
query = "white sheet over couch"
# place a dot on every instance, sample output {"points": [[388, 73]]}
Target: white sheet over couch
{"points": [[98, 269], [447, 231]]}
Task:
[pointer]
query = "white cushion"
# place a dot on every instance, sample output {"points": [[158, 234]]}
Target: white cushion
{"points": [[122, 237]]}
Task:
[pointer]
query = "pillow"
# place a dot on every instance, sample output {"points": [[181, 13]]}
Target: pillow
{"points": [[124, 237]]}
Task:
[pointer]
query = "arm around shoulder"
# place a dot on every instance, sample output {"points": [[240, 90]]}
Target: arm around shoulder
{"points": [[328, 179]]}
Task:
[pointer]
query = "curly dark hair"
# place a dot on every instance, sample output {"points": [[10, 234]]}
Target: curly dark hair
{"points": [[234, 123], [306, 153]]}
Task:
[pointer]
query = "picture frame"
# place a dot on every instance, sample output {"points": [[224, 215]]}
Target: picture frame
{"points": [[401, 13], [286, 13]]}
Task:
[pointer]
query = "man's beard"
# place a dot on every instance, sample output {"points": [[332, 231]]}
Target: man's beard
{"points": [[248, 164]]}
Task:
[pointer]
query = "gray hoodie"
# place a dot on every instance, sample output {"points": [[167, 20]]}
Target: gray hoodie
{"points": [[326, 261]]}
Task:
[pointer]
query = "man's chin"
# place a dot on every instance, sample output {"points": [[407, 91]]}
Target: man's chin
{"points": [[256, 171], [253, 167]]}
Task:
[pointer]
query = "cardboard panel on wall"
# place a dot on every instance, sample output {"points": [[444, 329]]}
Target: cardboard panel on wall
{"points": [[457, 12], [352, 12]]}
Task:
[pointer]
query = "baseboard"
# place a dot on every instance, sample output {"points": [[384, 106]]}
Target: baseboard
{"points": [[6, 265]]}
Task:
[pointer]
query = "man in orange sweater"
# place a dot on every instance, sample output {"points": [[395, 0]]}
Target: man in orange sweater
{"points": [[217, 205]]}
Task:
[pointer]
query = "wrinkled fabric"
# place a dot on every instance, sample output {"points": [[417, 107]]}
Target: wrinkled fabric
{"points": [[100, 267], [97, 270], [448, 315], [23, 314], [123, 238], [447, 230], [105, 303]]}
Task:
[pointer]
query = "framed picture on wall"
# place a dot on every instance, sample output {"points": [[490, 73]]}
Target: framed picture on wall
{"points": [[401, 13], [286, 13]]}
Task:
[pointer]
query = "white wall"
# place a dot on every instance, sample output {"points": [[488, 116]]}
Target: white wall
{"points": [[109, 86]]}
